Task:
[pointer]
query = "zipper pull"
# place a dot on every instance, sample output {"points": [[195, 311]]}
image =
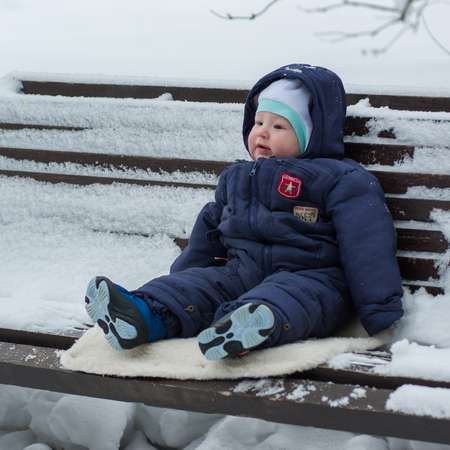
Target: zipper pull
{"points": [[255, 166]]}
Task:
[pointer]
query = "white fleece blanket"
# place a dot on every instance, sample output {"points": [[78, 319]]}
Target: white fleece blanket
{"points": [[182, 359]]}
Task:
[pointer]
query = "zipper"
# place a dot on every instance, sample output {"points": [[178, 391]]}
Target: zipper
{"points": [[252, 216], [253, 198], [254, 167]]}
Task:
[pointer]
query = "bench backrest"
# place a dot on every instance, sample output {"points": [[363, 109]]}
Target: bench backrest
{"points": [[401, 139]]}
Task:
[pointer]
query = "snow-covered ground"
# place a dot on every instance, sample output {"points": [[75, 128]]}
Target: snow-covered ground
{"points": [[53, 239]]}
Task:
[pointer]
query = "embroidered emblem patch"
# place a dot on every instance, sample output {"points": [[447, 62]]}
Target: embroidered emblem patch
{"points": [[289, 186], [306, 213]]}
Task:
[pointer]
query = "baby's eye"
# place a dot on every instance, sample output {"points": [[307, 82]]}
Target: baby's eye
{"points": [[277, 126], [258, 122]]}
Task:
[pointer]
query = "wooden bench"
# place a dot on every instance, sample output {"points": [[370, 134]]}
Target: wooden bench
{"points": [[375, 138]]}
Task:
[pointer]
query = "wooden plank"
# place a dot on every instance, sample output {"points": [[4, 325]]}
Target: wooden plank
{"points": [[386, 155], [291, 401], [408, 240], [26, 126], [359, 126], [403, 102], [84, 180], [361, 152], [399, 182], [421, 240], [111, 160], [354, 126], [411, 268], [403, 208], [418, 268], [392, 182], [219, 95], [433, 290], [359, 375], [360, 370], [62, 340], [192, 94]]}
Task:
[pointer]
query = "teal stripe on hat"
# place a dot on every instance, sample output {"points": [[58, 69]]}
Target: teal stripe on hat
{"points": [[283, 110]]}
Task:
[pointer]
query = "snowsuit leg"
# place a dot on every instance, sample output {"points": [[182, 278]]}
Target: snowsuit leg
{"points": [[307, 303], [193, 295]]}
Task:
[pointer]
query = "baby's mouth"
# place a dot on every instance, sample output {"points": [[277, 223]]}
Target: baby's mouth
{"points": [[263, 149]]}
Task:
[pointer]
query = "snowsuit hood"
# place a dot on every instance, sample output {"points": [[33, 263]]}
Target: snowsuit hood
{"points": [[327, 108]]}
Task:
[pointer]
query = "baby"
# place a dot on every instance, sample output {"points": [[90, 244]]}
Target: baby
{"points": [[295, 243]]}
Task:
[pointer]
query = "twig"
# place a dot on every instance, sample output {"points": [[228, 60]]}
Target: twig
{"points": [[433, 37], [384, 49], [342, 35], [345, 3], [252, 16]]}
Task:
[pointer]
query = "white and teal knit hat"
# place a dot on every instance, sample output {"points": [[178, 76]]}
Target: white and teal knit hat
{"points": [[290, 99]]}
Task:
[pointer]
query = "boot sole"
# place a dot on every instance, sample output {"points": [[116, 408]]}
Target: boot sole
{"points": [[248, 326], [119, 333]]}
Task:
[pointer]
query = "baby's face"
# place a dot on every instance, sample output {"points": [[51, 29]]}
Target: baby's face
{"points": [[272, 135]]}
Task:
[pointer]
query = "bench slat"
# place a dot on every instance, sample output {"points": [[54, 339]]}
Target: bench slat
{"points": [[401, 208], [361, 152], [24, 126], [356, 373], [386, 155], [399, 182], [354, 126], [391, 184], [421, 240], [39, 368], [217, 95], [416, 209], [410, 268]]}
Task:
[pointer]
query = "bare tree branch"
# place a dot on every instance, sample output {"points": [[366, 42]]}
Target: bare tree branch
{"points": [[433, 37], [378, 51], [406, 7], [409, 16], [405, 16], [249, 17], [342, 35], [345, 3]]}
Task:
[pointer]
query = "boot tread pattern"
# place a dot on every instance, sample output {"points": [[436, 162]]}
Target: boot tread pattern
{"points": [[244, 329], [98, 307]]}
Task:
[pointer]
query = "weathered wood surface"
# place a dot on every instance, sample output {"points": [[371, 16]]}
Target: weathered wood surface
{"points": [[285, 400], [354, 126], [217, 95], [381, 154], [361, 369], [24, 126]]}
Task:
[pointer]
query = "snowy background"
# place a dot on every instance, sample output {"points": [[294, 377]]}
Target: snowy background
{"points": [[183, 39], [53, 239]]}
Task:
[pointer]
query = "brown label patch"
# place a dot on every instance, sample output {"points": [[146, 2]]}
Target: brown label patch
{"points": [[306, 213]]}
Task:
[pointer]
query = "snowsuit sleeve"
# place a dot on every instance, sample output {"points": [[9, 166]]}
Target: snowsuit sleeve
{"points": [[204, 244], [367, 245]]}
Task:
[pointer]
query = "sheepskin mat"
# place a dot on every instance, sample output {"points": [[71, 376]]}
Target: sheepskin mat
{"points": [[182, 359]]}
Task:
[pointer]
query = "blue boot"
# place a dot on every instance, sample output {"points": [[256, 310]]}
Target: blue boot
{"points": [[237, 332], [125, 318]]}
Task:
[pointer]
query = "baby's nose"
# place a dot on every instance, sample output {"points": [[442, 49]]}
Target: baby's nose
{"points": [[263, 131]]}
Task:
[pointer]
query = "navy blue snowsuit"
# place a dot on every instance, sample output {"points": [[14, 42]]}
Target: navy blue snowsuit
{"points": [[311, 237]]}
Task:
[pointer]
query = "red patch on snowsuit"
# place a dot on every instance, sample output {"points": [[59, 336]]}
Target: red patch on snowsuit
{"points": [[289, 186]]}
